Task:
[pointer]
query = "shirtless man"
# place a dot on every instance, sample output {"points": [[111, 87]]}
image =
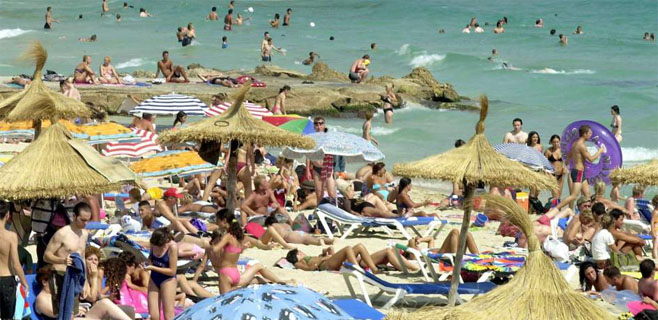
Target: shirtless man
{"points": [[359, 69], [8, 261], [625, 240], [49, 19], [266, 50], [167, 208], [621, 282], [647, 286], [517, 135], [83, 72], [563, 40], [172, 73], [105, 8], [577, 156], [582, 230], [213, 16], [228, 20], [66, 241], [266, 36], [286, 17], [261, 202], [108, 73], [145, 123]]}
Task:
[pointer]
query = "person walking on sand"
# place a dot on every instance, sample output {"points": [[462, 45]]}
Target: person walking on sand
{"points": [[228, 20], [577, 157], [517, 135], [367, 126], [49, 18], [9, 265], [169, 71], [359, 69]]}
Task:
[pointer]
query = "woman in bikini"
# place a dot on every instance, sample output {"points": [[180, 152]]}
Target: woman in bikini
{"points": [[369, 205], [83, 72], [554, 156], [219, 79], [377, 182], [292, 236], [225, 254], [163, 261], [280, 101], [616, 122], [246, 166], [389, 100], [358, 255], [109, 75], [534, 141], [406, 206]]}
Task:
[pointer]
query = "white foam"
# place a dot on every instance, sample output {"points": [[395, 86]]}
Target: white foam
{"points": [[10, 33], [375, 131], [404, 49], [426, 60], [553, 71], [135, 62], [638, 154]]}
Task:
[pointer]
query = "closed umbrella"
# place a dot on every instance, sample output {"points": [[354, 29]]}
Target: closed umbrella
{"points": [[255, 110], [270, 301], [527, 155], [171, 103], [351, 147]]}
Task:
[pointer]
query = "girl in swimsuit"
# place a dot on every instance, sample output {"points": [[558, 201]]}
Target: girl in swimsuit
{"points": [[246, 166], [230, 245], [554, 156], [377, 181], [616, 122], [163, 261], [280, 101]]}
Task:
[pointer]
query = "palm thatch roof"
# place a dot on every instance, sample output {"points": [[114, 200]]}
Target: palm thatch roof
{"points": [[237, 124], [538, 291], [37, 102], [474, 162], [56, 165], [644, 174]]}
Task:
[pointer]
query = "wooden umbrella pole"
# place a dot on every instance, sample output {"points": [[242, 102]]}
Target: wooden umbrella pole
{"points": [[36, 124], [232, 175], [461, 248]]}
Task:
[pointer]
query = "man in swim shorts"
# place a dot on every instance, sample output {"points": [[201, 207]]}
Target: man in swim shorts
{"points": [[261, 202], [517, 135], [577, 156], [359, 70], [228, 20], [49, 19], [169, 71]]}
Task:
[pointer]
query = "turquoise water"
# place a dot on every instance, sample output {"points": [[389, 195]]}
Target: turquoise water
{"points": [[607, 65]]}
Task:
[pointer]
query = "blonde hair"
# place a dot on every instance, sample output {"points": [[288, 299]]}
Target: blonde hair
{"points": [[258, 181], [638, 190], [187, 198], [606, 221], [599, 187], [369, 115], [586, 217]]}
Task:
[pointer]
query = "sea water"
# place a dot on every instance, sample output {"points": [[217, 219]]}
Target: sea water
{"points": [[556, 85]]}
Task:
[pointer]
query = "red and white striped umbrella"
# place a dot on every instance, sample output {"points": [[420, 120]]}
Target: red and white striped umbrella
{"points": [[148, 143], [254, 109]]}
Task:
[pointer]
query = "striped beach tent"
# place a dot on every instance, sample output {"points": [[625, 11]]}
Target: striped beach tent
{"points": [[148, 143], [171, 103], [254, 109]]}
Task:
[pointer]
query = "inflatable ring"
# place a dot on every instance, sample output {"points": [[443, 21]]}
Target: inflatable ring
{"points": [[607, 161]]}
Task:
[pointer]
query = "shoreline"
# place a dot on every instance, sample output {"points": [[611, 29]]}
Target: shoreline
{"points": [[323, 92]]}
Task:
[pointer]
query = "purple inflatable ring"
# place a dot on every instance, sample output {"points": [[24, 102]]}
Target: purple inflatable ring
{"points": [[607, 161]]}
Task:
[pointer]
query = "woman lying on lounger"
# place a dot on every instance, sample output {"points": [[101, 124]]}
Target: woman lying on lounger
{"points": [[219, 79], [330, 260], [265, 241], [370, 206], [449, 245], [292, 236]]}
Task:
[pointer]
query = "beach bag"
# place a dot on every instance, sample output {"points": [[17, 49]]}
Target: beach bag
{"points": [[557, 249], [42, 212], [623, 260], [302, 223]]}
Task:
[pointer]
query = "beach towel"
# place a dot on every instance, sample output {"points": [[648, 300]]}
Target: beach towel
{"points": [[133, 298], [74, 281], [22, 308], [255, 84]]}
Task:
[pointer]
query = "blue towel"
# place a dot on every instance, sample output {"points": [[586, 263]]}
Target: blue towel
{"points": [[74, 281]]}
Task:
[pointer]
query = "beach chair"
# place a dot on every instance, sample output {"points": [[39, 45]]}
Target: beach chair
{"points": [[400, 290], [348, 223], [359, 310]]}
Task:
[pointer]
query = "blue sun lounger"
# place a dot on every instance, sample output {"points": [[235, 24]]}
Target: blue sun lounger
{"points": [[352, 222], [400, 290]]}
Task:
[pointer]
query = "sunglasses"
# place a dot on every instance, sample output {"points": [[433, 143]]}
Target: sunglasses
{"points": [[318, 123]]}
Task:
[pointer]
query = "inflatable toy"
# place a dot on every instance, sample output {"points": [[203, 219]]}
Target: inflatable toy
{"points": [[607, 161]]}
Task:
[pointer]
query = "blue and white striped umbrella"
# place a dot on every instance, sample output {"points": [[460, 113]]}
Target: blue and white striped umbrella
{"points": [[171, 104], [526, 155], [260, 302], [352, 147]]}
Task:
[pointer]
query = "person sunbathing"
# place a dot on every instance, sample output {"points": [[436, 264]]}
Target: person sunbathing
{"points": [[625, 241], [599, 191], [590, 279], [631, 209], [358, 255], [406, 206], [189, 205], [256, 236], [449, 245], [295, 236], [219, 79], [582, 230], [261, 202], [648, 286], [621, 282], [21, 80], [83, 72]]}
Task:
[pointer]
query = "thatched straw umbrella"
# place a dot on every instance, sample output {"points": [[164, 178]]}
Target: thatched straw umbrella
{"points": [[474, 162], [56, 165], [644, 174], [37, 102], [537, 291], [235, 125]]}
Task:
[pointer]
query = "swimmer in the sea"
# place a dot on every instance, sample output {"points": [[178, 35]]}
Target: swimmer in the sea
{"points": [[373, 46], [126, 6], [286, 17], [579, 30], [180, 34], [553, 31], [311, 58], [331, 38], [474, 20], [494, 53], [231, 4], [224, 42], [239, 20], [539, 23], [275, 23], [508, 66], [499, 27], [563, 40], [49, 19], [90, 39], [118, 17], [105, 8], [266, 51], [646, 36], [467, 29], [143, 13], [213, 16], [442, 31], [228, 20], [478, 29]]}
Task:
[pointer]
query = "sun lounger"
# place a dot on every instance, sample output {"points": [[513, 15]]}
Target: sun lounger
{"points": [[352, 222], [359, 310], [400, 290]]}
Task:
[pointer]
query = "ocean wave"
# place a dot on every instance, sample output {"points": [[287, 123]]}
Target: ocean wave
{"points": [[404, 49], [638, 154], [375, 131], [135, 62], [553, 71], [426, 60], [10, 33]]}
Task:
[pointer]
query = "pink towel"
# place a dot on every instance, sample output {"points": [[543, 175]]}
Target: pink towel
{"points": [[636, 307]]}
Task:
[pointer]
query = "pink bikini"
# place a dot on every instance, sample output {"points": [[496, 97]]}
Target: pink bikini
{"points": [[231, 272]]}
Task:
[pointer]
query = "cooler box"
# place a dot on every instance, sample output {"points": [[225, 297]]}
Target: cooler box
{"points": [[523, 200]]}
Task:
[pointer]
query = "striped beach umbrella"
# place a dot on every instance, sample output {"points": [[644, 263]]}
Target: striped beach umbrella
{"points": [[255, 110], [524, 154], [171, 103], [291, 122], [148, 143]]}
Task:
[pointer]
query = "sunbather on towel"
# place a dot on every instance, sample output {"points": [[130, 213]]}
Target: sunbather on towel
{"points": [[358, 254], [189, 205], [21, 81], [265, 240], [292, 236], [592, 280], [621, 282], [219, 79]]}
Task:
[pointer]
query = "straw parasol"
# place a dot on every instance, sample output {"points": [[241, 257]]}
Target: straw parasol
{"points": [[235, 125], [474, 162], [37, 102], [56, 165], [644, 174], [538, 291]]}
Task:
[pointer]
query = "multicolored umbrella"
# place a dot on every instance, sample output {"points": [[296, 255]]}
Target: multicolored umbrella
{"points": [[352, 147], [255, 110], [527, 155], [266, 302], [172, 162], [292, 123]]}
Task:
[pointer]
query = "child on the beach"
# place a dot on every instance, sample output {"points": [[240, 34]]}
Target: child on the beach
{"points": [[163, 261], [367, 126]]}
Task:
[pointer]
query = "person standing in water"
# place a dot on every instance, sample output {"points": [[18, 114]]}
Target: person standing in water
{"points": [[616, 122], [390, 99], [49, 19], [213, 16], [286, 17], [280, 101], [266, 53], [367, 126], [563, 40], [576, 158], [228, 20], [517, 135], [105, 8]]}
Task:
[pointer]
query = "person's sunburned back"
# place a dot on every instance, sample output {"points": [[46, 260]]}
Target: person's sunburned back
{"points": [[5, 249]]}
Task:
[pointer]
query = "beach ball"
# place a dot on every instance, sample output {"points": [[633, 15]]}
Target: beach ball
{"points": [[250, 9], [312, 24]]}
